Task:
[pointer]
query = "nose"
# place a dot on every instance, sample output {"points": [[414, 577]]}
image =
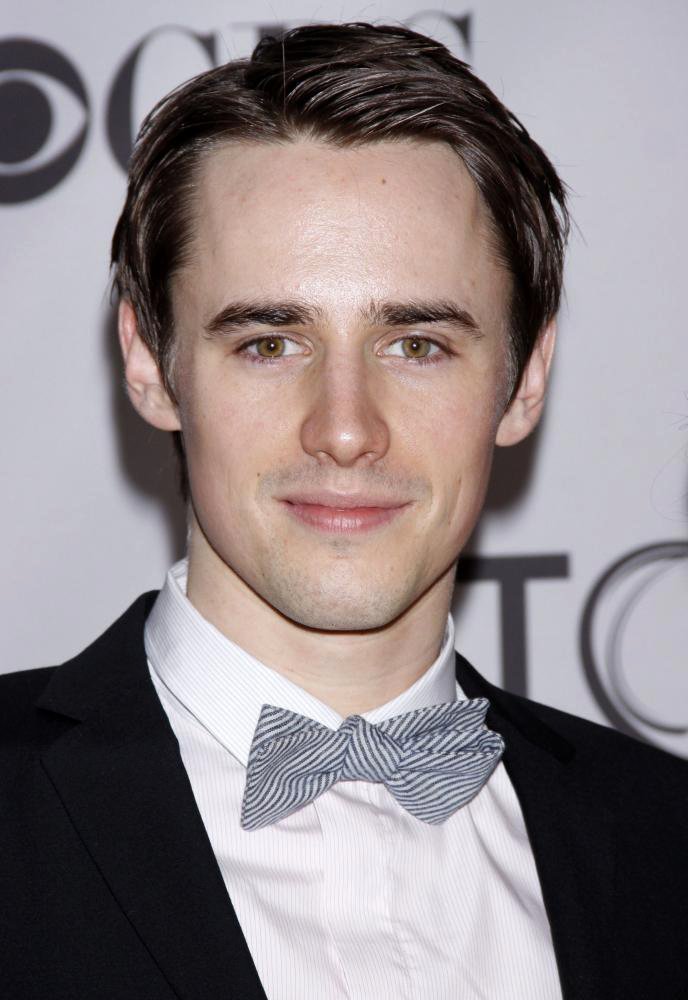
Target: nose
{"points": [[344, 423]]}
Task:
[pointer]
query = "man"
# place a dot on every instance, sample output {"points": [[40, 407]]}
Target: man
{"points": [[338, 265]]}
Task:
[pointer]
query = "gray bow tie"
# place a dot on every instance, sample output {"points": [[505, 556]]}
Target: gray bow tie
{"points": [[433, 760]]}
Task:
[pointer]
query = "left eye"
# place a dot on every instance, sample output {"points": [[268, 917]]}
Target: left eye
{"points": [[414, 348], [271, 347]]}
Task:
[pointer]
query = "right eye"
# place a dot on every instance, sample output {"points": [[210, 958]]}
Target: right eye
{"points": [[269, 348]]}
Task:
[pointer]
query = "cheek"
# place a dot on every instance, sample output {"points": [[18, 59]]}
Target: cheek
{"points": [[215, 429], [462, 444], [232, 436]]}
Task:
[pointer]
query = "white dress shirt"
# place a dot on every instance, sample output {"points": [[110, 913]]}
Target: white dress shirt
{"points": [[351, 896]]}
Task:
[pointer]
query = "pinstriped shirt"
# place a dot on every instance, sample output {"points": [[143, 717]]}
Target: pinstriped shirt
{"points": [[350, 896]]}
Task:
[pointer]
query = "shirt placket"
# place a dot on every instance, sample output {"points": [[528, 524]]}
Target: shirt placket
{"points": [[358, 897]]}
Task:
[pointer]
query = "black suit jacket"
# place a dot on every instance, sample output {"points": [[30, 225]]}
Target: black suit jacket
{"points": [[109, 889]]}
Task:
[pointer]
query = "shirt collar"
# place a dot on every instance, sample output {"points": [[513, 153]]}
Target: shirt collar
{"points": [[224, 687]]}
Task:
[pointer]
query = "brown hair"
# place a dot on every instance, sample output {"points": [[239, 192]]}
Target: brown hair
{"points": [[346, 84]]}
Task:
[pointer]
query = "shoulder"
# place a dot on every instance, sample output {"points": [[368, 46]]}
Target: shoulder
{"points": [[597, 753], [18, 694], [31, 700], [609, 755], [605, 763], [601, 737], [21, 685], [596, 778]]}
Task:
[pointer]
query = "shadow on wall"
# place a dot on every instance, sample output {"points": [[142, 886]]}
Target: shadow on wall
{"points": [[146, 455], [512, 472], [149, 464]]}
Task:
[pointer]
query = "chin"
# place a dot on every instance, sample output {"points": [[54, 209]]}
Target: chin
{"points": [[336, 612]]}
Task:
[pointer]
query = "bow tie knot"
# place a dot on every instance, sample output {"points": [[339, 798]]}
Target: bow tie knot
{"points": [[370, 754], [432, 760]]}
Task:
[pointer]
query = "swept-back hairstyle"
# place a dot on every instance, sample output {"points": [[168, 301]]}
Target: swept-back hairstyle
{"points": [[348, 85]]}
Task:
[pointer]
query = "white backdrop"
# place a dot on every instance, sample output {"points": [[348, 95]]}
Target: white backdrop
{"points": [[595, 505]]}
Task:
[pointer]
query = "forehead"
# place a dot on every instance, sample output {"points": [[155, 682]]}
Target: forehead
{"points": [[341, 226]]}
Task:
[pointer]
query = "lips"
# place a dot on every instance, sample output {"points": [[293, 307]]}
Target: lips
{"points": [[342, 513]]}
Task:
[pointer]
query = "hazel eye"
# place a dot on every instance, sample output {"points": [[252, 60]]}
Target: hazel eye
{"points": [[414, 348], [270, 347]]}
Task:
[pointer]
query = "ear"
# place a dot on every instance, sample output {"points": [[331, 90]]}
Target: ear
{"points": [[523, 413], [145, 386]]}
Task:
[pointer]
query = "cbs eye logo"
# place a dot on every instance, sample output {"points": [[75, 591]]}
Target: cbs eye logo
{"points": [[44, 118]]}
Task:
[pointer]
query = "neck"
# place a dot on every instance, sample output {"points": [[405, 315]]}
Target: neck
{"points": [[352, 672]]}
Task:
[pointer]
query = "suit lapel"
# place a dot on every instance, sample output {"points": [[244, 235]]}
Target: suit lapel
{"points": [[120, 777], [571, 836]]}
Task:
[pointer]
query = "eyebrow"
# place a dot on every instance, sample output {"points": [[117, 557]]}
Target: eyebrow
{"points": [[238, 314], [415, 312], [294, 312]]}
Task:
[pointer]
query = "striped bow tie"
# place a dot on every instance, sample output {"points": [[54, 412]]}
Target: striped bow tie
{"points": [[433, 760]]}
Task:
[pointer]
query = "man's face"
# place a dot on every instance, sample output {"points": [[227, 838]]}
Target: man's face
{"points": [[341, 349]]}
